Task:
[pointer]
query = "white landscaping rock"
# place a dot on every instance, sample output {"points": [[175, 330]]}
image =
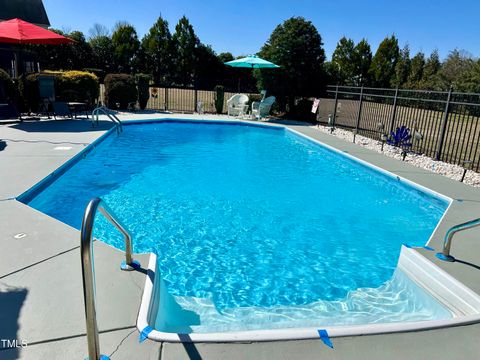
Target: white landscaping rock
{"points": [[450, 170]]}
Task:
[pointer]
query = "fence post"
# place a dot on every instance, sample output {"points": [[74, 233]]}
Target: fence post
{"points": [[443, 127], [359, 114], [394, 112], [195, 100], [335, 108], [166, 98]]}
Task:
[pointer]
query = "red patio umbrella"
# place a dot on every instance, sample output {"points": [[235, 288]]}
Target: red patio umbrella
{"points": [[17, 31]]}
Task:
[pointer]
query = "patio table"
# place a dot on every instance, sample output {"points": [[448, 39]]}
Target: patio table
{"points": [[78, 107]]}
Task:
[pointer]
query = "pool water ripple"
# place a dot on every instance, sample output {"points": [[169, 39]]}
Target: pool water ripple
{"points": [[247, 217]]}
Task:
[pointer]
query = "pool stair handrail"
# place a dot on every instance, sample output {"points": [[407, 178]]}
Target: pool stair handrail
{"points": [[86, 253], [106, 111], [447, 242]]}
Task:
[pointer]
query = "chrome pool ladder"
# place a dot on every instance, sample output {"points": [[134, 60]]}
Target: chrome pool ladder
{"points": [[111, 116], [88, 271], [447, 242]]}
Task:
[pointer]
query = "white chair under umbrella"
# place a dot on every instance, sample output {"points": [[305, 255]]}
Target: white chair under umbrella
{"points": [[237, 105], [261, 109]]}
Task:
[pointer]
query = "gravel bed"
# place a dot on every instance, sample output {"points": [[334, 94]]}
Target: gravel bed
{"points": [[454, 172]]}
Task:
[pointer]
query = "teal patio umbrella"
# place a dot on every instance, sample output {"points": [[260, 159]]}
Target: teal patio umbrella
{"points": [[252, 62]]}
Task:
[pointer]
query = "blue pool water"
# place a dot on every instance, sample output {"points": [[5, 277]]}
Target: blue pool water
{"points": [[245, 217]]}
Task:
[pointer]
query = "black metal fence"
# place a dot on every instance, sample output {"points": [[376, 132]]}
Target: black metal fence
{"points": [[449, 122], [184, 99]]}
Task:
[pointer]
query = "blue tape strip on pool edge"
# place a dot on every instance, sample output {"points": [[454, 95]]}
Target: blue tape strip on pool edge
{"points": [[102, 357], [425, 247], [144, 334], [325, 338]]}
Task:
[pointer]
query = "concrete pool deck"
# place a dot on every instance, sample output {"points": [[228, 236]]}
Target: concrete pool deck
{"points": [[41, 299]]}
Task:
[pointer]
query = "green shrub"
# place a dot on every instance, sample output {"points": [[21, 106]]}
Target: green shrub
{"points": [[120, 89], [8, 86], [303, 111], [98, 72], [29, 97], [219, 98], [143, 87], [79, 86]]}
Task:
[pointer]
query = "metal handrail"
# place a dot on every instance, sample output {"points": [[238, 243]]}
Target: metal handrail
{"points": [[111, 116], [447, 243], [88, 271]]}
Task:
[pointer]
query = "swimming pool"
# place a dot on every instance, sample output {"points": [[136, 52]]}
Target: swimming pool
{"points": [[255, 227]]}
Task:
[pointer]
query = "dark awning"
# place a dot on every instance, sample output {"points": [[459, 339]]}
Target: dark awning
{"points": [[32, 11]]}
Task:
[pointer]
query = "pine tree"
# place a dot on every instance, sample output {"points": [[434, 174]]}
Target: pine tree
{"points": [[472, 79], [362, 60], [382, 69], [157, 48], [103, 52], [126, 44], [456, 70], [415, 75], [343, 61], [208, 67], [430, 77], [402, 69], [185, 44], [432, 66], [296, 46]]}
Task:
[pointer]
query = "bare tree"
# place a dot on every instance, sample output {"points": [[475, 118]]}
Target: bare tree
{"points": [[98, 30]]}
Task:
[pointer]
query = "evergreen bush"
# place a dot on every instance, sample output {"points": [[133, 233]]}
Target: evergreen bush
{"points": [[219, 98], [143, 83], [120, 90]]}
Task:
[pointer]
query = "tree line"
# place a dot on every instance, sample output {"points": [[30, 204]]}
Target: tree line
{"points": [[172, 59], [179, 58], [392, 66]]}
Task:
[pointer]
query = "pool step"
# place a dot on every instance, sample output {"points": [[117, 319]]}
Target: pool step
{"points": [[398, 300]]}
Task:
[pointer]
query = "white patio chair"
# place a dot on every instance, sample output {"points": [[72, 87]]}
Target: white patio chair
{"points": [[262, 109], [237, 105]]}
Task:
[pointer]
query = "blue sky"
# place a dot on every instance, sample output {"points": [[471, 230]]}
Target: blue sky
{"points": [[242, 27]]}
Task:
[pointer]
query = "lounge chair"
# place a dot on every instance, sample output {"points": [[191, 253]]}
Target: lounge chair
{"points": [[61, 108], [237, 105], [46, 90], [262, 109]]}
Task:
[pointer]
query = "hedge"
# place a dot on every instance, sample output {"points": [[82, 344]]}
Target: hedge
{"points": [[73, 85], [143, 83], [78, 86], [302, 110], [120, 90]]}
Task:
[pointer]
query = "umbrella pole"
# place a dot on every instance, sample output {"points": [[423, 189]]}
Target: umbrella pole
{"points": [[16, 57]]}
